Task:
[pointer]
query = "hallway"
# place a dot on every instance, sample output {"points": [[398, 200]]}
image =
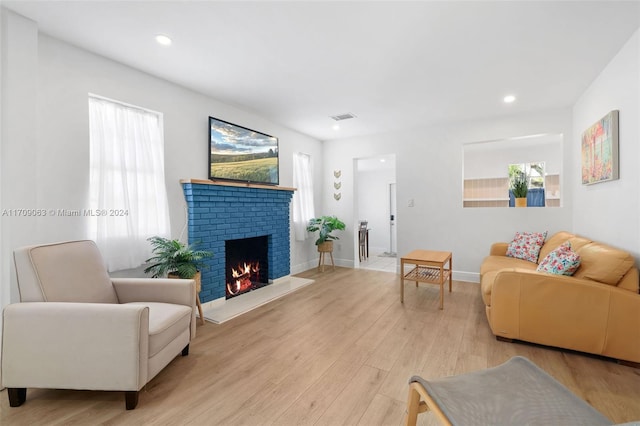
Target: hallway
{"points": [[378, 261]]}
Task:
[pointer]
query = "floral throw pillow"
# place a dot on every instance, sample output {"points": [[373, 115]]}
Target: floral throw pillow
{"points": [[561, 261], [526, 245]]}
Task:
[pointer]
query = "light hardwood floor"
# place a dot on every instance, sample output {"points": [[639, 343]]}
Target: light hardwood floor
{"points": [[339, 351]]}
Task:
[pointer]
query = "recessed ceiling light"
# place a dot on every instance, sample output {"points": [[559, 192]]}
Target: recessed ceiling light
{"points": [[509, 99], [382, 160], [336, 127], [163, 40]]}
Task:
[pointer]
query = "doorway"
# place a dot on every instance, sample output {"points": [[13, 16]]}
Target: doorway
{"points": [[393, 235], [375, 204]]}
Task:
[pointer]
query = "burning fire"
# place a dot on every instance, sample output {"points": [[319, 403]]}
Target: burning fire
{"points": [[242, 277]]}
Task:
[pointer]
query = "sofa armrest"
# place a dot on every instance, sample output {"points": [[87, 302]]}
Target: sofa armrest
{"points": [[94, 346], [498, 249], [164, 290], [566, 312], [623, 327]]}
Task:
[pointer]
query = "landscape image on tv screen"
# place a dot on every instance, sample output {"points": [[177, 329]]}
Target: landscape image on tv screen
{"points": [[241, 154]]}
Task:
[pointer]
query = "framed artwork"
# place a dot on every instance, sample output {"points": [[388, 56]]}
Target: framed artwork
{"points": [[600, 150]]}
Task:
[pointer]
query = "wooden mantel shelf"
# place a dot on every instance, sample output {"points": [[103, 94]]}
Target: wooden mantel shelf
{"points": [[237, 184]]}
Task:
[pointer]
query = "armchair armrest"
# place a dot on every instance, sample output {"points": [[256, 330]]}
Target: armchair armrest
{"points": [[498, 249], [165, 290], [94, 346]]}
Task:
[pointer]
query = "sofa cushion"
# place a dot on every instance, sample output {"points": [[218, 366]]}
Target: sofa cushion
{"points": [[630, 281], [578, 242], [495, 263], [526, 245], [561, 261], [553, 242], [603, 263], [166, 322]]}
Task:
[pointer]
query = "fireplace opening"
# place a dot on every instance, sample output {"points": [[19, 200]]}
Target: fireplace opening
{"points": [[246, 265]]}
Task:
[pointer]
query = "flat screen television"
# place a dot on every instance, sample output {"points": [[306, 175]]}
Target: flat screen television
{"points": [[240, 154]]}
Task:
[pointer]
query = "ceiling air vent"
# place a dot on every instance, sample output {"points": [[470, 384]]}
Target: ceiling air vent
{"points": [[341, 117]]}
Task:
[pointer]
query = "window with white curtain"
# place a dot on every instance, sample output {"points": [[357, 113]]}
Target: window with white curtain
{"points": [[127, 193], [303, 208]]}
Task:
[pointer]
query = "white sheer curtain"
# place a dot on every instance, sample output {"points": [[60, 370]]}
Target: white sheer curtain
{"points": [[127, 193], [303, 208]]}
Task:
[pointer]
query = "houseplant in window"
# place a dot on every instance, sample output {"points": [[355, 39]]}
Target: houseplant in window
{"points": [[325, 225], [175, 259], [519, 188]]}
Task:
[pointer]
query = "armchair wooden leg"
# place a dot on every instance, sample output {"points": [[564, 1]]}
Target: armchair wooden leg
{"points": [[185, 351], [17, 396], [131, 399]]}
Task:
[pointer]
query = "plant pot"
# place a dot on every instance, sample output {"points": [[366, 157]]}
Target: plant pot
{"points": [[325, 247], [521, 202], [197, 278]]}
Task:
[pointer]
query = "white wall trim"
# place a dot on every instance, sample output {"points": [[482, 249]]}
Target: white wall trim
{"points": [[472, 277], [301, 267]]}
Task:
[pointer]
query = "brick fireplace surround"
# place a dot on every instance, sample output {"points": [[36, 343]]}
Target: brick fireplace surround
{"points": [[220, 211]]}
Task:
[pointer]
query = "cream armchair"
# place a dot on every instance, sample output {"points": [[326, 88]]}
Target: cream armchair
{"points": [[77, 328]]}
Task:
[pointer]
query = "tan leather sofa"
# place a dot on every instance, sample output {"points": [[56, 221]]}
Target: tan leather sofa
{"points": [[597, 310]]}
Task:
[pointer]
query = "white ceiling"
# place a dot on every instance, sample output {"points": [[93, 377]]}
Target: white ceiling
{"points": [[395, 65]]}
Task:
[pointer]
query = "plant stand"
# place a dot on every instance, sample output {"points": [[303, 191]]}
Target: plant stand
{"points": [[198, 279], [326, 247]]}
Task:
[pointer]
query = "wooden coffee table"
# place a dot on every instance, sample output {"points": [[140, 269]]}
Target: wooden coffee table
{"points": [[428, 267]]}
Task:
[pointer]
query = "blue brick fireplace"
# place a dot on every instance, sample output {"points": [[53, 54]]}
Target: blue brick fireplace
{"points": [[219, 212]]}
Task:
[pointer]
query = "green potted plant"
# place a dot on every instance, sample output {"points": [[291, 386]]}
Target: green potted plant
{"points": [[325, 225], [519, 188], [175, 259]]}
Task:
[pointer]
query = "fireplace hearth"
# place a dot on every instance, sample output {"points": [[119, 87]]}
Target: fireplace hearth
{"points": [[246, 265]]}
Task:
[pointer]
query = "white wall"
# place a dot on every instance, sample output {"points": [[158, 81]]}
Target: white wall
{"points": [[342, 156], [486, 161], [609, 211], [18, 46], [19, 172], [49, 143], [429, 172]]}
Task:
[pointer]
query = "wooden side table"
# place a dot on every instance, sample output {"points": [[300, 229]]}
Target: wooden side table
{"points": [[429, 267]]}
